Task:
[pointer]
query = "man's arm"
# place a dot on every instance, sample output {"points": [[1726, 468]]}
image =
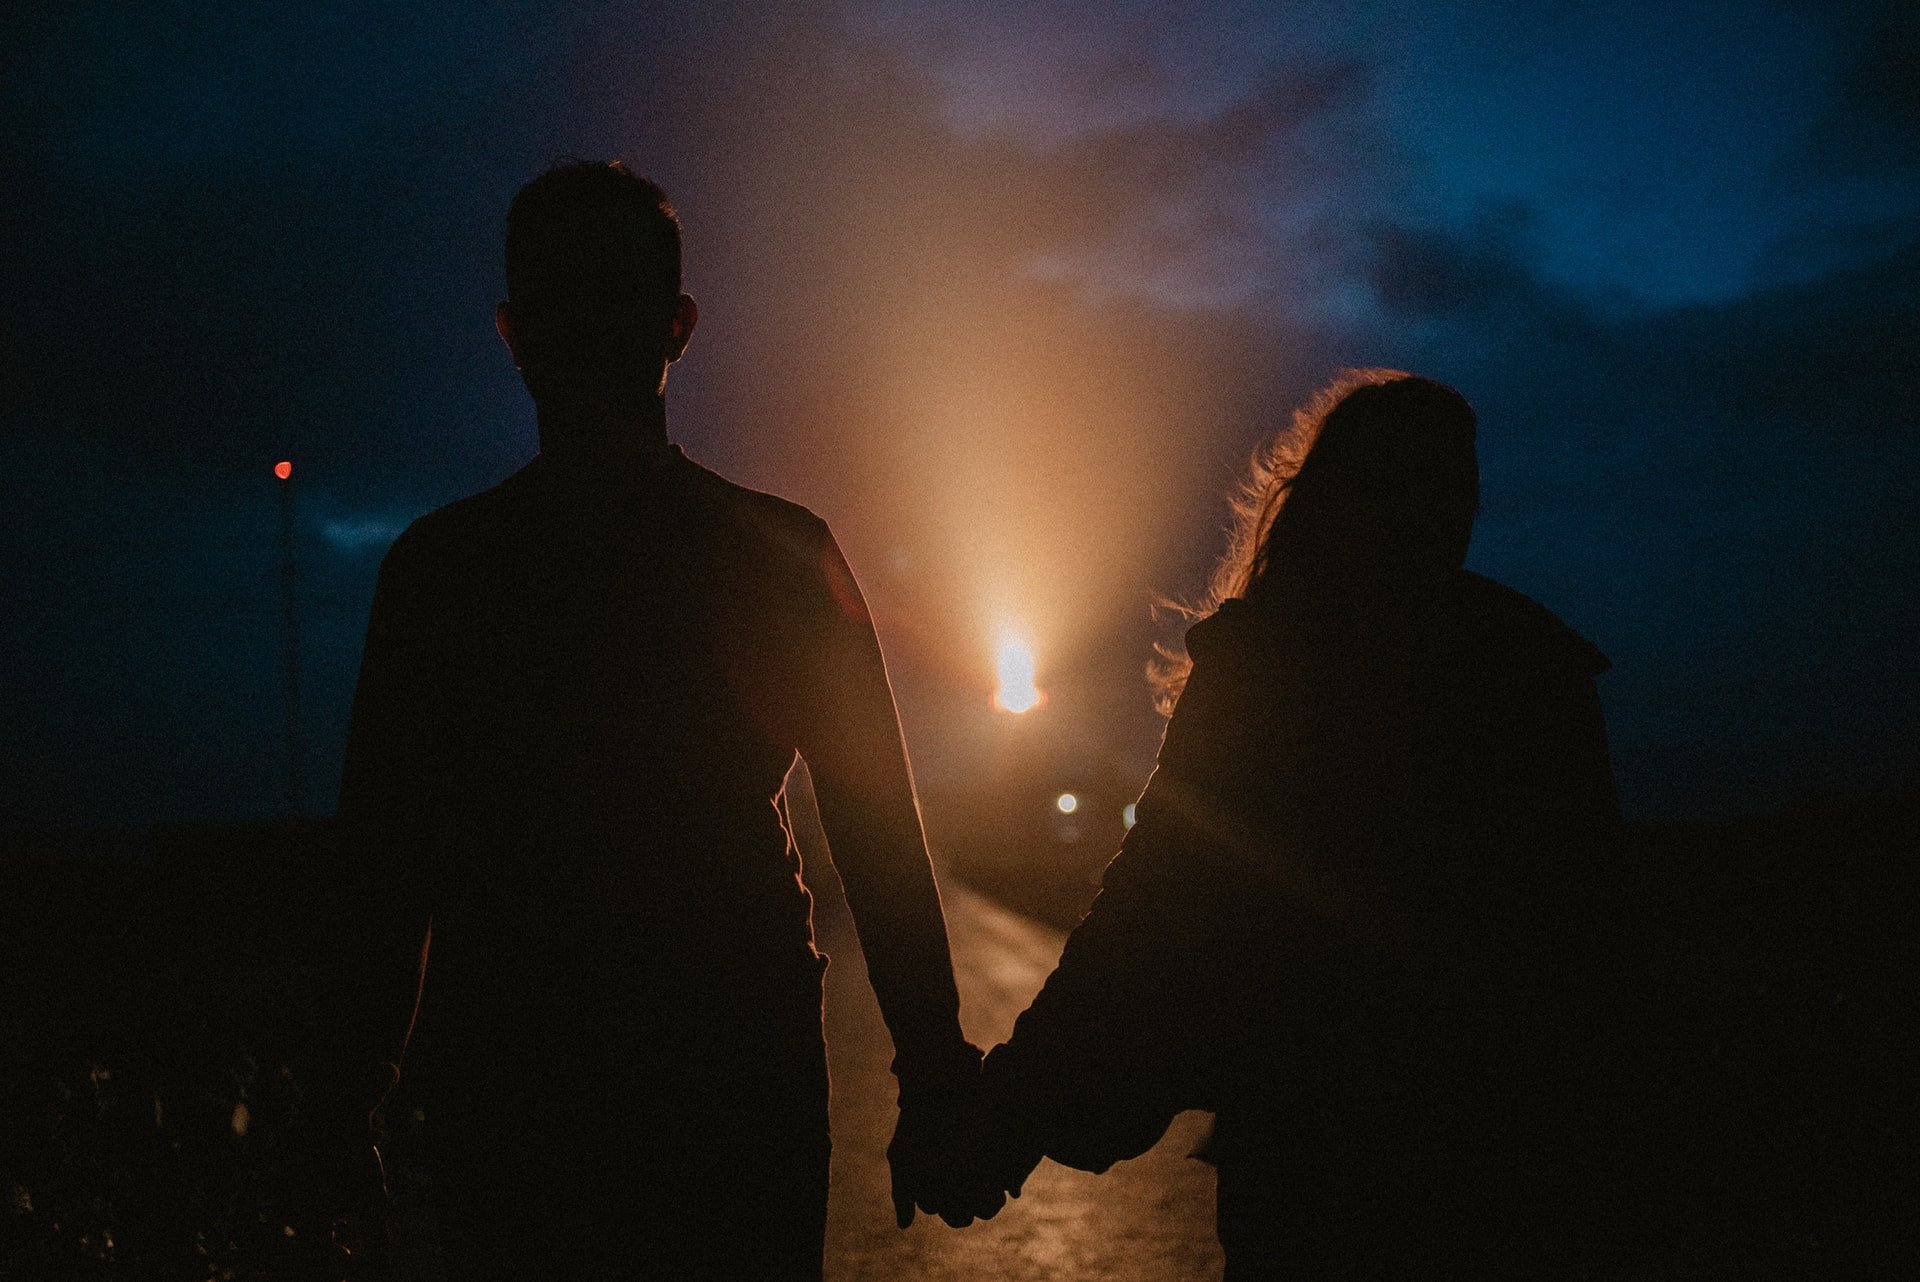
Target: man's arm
{"points": [[388, 797], [849, 734], [850, 737]]}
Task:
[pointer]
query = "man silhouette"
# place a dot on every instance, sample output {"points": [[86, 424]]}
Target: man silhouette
{"points": [[581, 694]]}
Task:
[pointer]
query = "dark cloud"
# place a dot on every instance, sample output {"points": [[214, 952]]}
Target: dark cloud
{"points": [[1872, 121], [1836, 358], [1427, 272], [1719, 494], [1209, 208]]}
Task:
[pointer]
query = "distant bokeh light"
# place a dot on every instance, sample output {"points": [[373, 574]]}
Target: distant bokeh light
{"points": [[283, 469], [1066, 803], [1016, 691], [1127, 815]]}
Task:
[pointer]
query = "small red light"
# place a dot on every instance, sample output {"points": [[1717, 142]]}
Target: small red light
{"points": [[283, 469]]}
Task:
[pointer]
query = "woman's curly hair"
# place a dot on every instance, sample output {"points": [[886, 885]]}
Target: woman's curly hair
{"points": [[1256, 501]]}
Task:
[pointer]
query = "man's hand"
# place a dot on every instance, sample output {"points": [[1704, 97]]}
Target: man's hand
{"points": [[952, 1158], [933, 1164]]}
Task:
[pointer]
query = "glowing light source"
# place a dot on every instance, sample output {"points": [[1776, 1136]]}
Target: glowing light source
{"points": [[283, 469], [1126, 815], [1016, 692], [1066, 803]]}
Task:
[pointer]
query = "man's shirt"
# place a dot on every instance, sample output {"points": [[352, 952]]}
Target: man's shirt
{"points": [[581, 694]]}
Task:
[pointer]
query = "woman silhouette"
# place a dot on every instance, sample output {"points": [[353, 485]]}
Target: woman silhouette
{"points": [[1363, 916]]}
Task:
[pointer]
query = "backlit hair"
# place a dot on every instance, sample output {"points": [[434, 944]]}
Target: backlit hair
{"points": [[1336, 425]]}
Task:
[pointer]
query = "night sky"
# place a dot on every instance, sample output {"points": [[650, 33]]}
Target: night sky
{"points": [[1004, 291]]}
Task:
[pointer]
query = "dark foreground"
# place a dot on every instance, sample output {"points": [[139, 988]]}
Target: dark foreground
{"points": [[159, 1018]]}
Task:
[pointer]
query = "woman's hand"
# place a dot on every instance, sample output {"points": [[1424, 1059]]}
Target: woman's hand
{"points": [[954, 1157]]}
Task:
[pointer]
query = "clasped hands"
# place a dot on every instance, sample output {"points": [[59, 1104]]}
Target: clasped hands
{"points": [[955, 1154]]}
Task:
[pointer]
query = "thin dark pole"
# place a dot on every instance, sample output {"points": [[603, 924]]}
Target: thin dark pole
{"points": [[296, 804]]}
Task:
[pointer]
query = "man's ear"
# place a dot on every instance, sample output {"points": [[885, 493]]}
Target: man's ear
{"points": [[686, 314], [503, 326]]}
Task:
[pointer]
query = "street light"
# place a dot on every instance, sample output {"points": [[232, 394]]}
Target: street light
{"points": [[296, 803], [1016, 692]]}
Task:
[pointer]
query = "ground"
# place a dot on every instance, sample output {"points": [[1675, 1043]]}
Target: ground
{"points": [[158, 994]]}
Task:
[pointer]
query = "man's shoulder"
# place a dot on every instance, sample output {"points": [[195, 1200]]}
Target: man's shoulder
{"points": [[759, 533], [774, 549], [756, 512], [459, 526]]}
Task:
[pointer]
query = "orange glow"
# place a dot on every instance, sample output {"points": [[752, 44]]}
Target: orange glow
{"points": [[283, 469], [1016, 692]]}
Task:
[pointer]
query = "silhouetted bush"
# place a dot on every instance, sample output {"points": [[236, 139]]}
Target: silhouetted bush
{"points": [[162, 1005]]}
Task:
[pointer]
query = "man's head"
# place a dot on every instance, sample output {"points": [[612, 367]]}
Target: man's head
{"points": [[594, 312]]}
